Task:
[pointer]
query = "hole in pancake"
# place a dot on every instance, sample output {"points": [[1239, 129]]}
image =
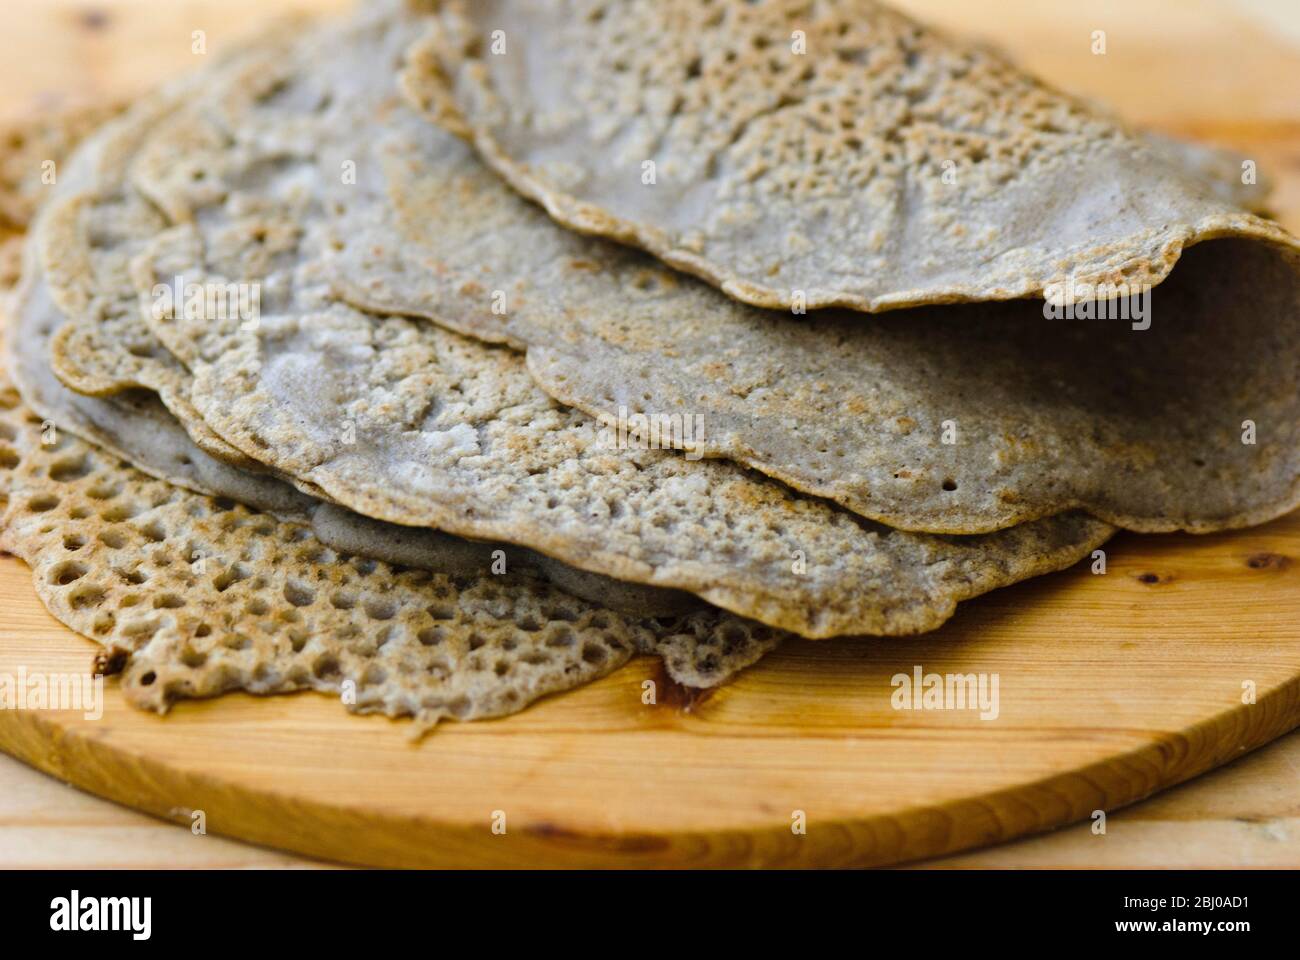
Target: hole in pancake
{"points": [[380, 609], [298, 594], [67, 572]]}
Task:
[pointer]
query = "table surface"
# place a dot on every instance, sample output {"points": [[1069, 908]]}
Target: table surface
{"points": [[1224, 72]]}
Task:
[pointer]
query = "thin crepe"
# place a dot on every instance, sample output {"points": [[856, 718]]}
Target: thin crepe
{"points": [[194, 597], [959, 420], [57, 491], [83, 245], [544, 478], [135, 426], [33, 146], [408, 423], [411, 424], [132, 425], [824, 154], [948, 420], [104, 350], [236, 600]]}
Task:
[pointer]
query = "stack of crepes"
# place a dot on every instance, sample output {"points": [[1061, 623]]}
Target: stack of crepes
{"points": [[453, 354]]}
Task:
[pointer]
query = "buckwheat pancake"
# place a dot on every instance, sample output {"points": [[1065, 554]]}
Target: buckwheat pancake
{"points": [[1143, 427], [83, 250], [889, 583], [956, 419], [409, 222], [405, 422], [238, 600], [701, 647], [836, 153], [34, 146], [133, 425], [194, 597], [131, 367], [29, 145]]}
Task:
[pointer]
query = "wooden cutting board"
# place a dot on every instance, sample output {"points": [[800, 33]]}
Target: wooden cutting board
{"points": [[1110, 687]]}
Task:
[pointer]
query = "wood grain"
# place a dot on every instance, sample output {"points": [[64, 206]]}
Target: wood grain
{"points": [[1112, 687]]}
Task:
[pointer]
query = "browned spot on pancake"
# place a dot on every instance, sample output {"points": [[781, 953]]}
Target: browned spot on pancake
{"points": [[111, 661], [670, 693]]}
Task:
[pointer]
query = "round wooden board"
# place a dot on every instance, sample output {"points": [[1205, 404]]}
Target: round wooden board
{"points": [[1110, 687]]}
